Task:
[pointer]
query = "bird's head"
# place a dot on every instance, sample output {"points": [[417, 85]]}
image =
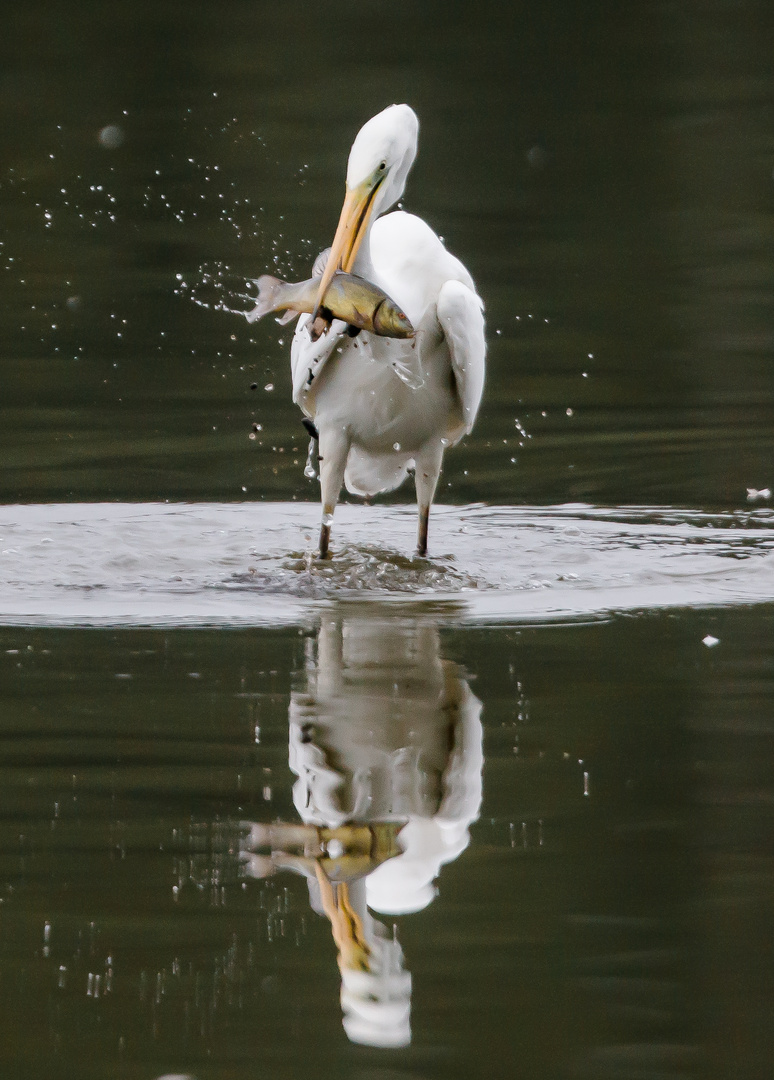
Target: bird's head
{"points": [[381, 157], [379, 163]]}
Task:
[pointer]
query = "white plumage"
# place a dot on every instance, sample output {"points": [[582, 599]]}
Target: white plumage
{"points": [[384, 405]]}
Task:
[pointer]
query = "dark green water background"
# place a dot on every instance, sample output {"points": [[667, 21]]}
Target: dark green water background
{"points": [[606, 167], [606, 172]]}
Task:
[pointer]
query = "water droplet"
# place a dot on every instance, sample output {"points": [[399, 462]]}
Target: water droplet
{"points": [[309, 470], [327, 519], [396, 446], [269, 387], [111, 136], [710, 641]]}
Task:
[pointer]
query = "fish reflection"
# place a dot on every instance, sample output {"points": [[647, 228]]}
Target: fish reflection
{"points": [[386, 745]]}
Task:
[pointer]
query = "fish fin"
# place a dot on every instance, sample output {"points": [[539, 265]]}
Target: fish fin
{"points": [[320, 263], [267, 299], [289, 316]]}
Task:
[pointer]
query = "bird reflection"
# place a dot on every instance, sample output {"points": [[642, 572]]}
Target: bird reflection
{"points": [[386, 745]]}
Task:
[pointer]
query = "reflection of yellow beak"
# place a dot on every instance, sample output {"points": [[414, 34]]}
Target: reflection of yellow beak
{"points": [[346, 924], [352, 227]]}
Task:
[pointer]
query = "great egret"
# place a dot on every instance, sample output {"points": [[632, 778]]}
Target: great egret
{"points": [[384, 405]]}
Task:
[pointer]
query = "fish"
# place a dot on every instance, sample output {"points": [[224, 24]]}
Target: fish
{"points": [[356, 301]]}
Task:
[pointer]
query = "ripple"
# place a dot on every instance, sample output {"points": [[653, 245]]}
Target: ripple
{"points": [[254, 563], [355, 569]]}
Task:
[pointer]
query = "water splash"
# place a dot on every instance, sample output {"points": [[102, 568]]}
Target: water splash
{"points": [[215, 288]]}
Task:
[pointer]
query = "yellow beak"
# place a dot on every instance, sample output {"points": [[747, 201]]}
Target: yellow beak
{"points": [[352, 227]]}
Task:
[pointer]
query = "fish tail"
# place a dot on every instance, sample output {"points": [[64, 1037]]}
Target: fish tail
{"points": [[269, 297]]}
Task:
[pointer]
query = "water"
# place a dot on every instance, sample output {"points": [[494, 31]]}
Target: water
{"points": [[617, 226], [534, 766], [515, 798], [154, 564], [602, 912]]}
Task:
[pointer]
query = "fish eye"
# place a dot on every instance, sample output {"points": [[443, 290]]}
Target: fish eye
{"points": [[382, 166]]}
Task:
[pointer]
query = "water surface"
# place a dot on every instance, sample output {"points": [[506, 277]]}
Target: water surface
{"points": [[593, 799], [119, 564]]}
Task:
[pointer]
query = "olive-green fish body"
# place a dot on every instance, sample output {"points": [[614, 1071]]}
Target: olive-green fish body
{"points": [[349, 297]]}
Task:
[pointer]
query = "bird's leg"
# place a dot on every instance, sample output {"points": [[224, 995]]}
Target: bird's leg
{"points": [[334, 449], [428, 469], [424, 522], [325, 538]]}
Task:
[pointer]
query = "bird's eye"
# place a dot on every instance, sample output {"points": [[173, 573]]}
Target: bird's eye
{"points": [[382, 165]]}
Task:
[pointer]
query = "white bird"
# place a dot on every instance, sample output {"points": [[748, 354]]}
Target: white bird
{"points": [[383, 406]]}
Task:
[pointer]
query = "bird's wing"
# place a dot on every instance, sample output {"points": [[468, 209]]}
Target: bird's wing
{"points": [[461, 315], [307, 357]]}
